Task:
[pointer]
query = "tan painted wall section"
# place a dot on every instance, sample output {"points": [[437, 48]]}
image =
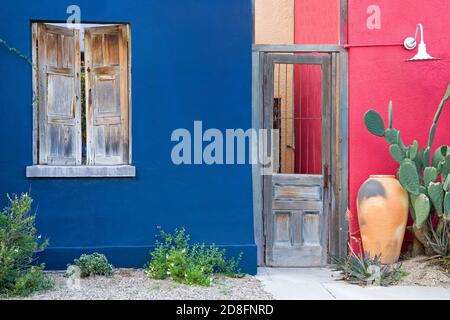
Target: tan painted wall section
{"points": [[274, 24], [274, 21]]}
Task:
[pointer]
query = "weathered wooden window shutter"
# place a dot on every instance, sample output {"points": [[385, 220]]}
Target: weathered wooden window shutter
{"points": [[107, 66], [58, 64]]}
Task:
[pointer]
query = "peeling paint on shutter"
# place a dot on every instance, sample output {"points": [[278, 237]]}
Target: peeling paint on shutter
{"points": [[59, 95], [106, 54]]}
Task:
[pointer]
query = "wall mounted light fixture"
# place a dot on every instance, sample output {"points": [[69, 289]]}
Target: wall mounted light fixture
{"points": [[410, 43]]}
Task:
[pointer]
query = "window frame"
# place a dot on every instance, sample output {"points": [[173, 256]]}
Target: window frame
{"points": [[38, 170]]}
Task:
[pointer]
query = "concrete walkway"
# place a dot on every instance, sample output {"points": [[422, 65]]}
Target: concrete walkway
{"points": [[322, 284]]}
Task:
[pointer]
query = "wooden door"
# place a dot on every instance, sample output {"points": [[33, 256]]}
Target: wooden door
{"points": [[58, 69], [296, 206], [107, 95]]}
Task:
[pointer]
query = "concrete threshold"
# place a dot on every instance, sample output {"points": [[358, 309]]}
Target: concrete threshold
{"points": [[324, 284]]}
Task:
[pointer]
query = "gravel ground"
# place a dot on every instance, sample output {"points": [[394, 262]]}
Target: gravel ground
{"points": [[421, 272], [133, 284]]}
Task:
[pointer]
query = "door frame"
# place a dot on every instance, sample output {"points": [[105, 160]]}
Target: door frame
{"points": [[338, 170], [269, 60]]}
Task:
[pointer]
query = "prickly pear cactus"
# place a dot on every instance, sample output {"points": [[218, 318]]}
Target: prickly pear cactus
{"points": [[425, 175]]}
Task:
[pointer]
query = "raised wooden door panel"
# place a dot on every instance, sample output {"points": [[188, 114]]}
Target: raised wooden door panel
{"points": [[296, 222], [296, 206], [107, 91], [58, 71]]}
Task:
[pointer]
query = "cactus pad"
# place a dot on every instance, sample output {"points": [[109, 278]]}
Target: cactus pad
{"points": [[374, 123], [408, 176], [414, 150], [447, 203], [422, 209], [397, 153], [439, 155], [446, 185], [432, 134], [430, 174], [392, 136], [419, 161], [390, 115], [436, 193], [445, 169]]}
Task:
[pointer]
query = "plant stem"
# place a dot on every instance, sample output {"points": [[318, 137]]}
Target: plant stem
{"points": [[435, 120], [15, 51]]}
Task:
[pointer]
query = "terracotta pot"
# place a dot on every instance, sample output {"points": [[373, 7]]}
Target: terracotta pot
{"points": [[382, 213]]}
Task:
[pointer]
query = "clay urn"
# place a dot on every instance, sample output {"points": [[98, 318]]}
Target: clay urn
{"points": [[382, 214]]}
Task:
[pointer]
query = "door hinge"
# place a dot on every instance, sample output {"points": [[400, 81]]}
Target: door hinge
{"points": [[326, 177]]}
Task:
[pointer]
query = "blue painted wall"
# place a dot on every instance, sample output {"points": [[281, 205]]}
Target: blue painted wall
{"points": [[191, 61]]}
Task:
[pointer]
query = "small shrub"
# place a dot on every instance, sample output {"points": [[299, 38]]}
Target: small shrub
{"points": [[31, 281], [363, 270], [95, 264], [18, 244], [439, 240], [174, 258]]}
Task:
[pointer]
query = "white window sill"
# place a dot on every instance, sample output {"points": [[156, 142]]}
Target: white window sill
{"points": [[44, 171]]}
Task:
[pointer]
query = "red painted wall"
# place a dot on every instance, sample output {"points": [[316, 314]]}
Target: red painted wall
{"points": [[377, 75], [308, 119], [380, 74], [316, 21]]}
